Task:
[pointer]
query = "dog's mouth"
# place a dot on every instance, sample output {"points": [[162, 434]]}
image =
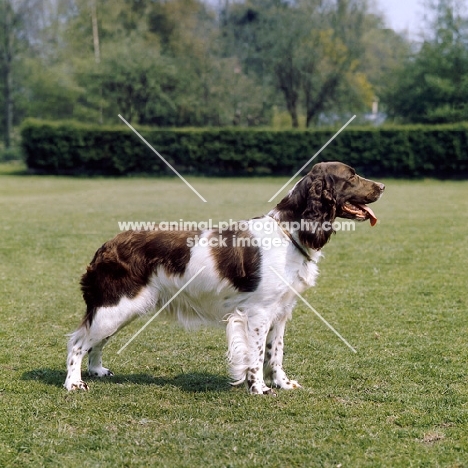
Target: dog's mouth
{"points": [[360, 212]]}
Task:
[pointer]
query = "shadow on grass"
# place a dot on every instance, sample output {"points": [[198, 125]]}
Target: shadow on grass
{"points": [[193, 382]]}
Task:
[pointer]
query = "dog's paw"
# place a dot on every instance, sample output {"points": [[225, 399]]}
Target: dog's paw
{"points": [[287, 384], [100, 372], [268, 391], [79, 385], [294, 384], [261, 389]]}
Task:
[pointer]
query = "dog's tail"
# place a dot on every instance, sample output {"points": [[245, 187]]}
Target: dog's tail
{"points": [[238, 348]]}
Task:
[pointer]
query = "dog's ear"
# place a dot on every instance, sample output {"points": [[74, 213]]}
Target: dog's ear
{"points": [[292, 205], [320, 211]]}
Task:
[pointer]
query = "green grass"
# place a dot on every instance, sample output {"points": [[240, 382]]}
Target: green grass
{"points": [[397, 292]]}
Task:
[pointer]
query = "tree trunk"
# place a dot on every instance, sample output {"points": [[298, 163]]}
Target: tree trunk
{"points": [[7, 78], [327, 92], [292, 109], [289, 83], [97, 50], [8, 105]]}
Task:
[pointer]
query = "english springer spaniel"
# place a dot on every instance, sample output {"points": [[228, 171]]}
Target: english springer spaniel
{"points": [[236, 282]]}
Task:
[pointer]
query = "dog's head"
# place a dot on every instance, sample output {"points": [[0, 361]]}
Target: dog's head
{"points": [[337, 185], [328, 191]]}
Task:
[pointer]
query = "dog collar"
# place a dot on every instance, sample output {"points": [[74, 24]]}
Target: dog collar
{"points": [[294, 241]]}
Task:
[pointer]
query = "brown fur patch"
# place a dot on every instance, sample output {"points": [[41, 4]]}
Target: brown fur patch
{"points": [[238, 261], [123, 265]]}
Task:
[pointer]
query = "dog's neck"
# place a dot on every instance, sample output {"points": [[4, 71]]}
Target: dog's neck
{"points": [[292, 238], [313, 237]]}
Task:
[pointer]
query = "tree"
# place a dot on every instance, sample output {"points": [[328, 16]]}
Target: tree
{"points": [[159, 64], [386, 52], [136, 81], [34, 77], [330, 77], [433, 85], [176, 62], [311, 49]]}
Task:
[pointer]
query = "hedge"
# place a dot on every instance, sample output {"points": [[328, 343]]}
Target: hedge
{"points": [[406, 151]]}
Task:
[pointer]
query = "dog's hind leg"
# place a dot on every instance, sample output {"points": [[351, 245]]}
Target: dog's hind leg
{"points": [[107, 321], [95, 367], [77, 348], [89, 338], [92, 336]]}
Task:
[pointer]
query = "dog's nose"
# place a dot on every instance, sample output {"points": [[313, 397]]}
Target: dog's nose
{"points": [[381, 187]]}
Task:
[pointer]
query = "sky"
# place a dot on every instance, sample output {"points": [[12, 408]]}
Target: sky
{"points": [[402, 14]]}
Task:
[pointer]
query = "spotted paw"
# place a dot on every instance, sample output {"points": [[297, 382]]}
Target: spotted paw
{"points": [[80, 385], [100, 372], [295, 384], [261, 390], [287, 384]]}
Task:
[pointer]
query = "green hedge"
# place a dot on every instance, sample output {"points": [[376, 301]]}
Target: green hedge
{"points": [[416, 151]]}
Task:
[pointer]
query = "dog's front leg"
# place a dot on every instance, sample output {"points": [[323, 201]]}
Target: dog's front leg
{"points": [[273, 364], [257, 331]]}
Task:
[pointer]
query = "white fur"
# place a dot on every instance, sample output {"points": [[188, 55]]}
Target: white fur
{"points": [[254, 321]]}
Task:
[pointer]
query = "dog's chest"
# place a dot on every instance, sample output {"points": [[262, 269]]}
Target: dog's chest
{"points": [[303, 275]]}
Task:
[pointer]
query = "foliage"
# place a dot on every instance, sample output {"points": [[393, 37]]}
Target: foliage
{"points": [[10, 154], [193, 63], [438, 151], [386, 53], [432, 86], [190, 63], [310, 51]]}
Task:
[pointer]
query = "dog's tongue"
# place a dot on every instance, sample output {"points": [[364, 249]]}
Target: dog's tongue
{"points": [[373, 219]]}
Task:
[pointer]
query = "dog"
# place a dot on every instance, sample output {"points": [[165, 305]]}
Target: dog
{"points": [[237, 277]]}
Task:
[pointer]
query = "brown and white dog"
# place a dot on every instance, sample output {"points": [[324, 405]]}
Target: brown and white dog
{"points": [[138, 271]]}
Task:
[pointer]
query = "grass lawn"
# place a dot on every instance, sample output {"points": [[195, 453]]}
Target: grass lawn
{"points": [[396, 292]]}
